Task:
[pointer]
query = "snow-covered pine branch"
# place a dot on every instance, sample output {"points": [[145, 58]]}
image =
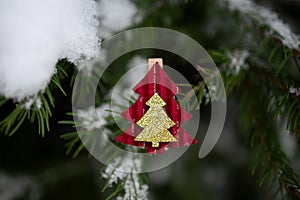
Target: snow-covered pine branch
{"points": [[264, 16], [36, 34]]}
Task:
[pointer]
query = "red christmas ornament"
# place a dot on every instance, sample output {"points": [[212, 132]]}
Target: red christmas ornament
{"points": [[156, 81]]}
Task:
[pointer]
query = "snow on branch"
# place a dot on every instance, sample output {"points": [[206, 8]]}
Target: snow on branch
{"points": [[94, 118], [264, 16], [237, 61], [36, 34], [132, 185], [295, 91]]}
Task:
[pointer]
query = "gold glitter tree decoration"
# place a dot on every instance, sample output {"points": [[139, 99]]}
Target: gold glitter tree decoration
{"points": [[155, 123]]}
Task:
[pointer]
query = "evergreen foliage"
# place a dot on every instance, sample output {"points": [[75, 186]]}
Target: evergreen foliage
{"points": [[260, 70]]}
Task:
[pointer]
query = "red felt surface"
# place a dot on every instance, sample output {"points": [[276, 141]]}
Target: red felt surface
{"points": [[156, 81]]}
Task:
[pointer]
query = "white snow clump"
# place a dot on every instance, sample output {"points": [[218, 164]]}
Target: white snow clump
{"points": [[237, 61], [36, 34]]}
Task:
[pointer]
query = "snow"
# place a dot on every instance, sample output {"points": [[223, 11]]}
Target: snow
{"points": [[94, 118], [34, 100], [237, 61], [115, 15], [134, 189], [119, 95], [295, 91], [264, 16], [35, 34]]}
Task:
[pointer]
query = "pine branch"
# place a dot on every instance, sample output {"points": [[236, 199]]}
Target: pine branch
{"points": [[35, 108], [125, 185], [259, 127], [259, 110], [275, 81], [282, 101], [273, 39], [262, 20]]}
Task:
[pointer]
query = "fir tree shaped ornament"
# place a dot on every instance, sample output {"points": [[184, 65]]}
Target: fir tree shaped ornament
{"points": [[155, 123], [156, 117]]}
